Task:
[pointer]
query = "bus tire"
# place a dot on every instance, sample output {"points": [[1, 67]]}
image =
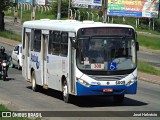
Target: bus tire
{"points": [[33, 80], [18, 66], [66, 96], [4, 75], [118, 99]]}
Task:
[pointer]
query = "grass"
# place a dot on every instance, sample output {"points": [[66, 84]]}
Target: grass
{"points": [[27, 15], [146, 68], [3, 108], [148, 31], [149, 41], [39, 15], [10, 35]]}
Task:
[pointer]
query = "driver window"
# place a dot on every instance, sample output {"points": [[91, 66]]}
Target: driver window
{"points": [[96, 51]]}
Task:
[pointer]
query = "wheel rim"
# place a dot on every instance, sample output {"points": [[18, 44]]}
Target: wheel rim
{"points": [[65, 90], [33, 83], [18, 66]]}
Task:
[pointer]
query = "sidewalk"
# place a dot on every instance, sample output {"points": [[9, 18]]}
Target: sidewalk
{"points": [[149, 78], [10, 20], [9, 42]]}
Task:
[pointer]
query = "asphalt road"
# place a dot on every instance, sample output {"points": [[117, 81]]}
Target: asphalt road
{"points": [[16, 93], [151, 58]]}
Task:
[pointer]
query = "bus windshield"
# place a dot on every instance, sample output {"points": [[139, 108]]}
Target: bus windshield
{"points": [[106, 53]]}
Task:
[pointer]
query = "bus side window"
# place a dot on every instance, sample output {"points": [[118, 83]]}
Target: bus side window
{"points": [[51, 37], [37, 40], [24, 37], [64, 44], [56, 43]]}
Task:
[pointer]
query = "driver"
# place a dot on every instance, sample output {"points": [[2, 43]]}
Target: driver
{"points": [[3, 56]]}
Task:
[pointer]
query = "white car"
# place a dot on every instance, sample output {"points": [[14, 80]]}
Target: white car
{"points": [[17, 56]]}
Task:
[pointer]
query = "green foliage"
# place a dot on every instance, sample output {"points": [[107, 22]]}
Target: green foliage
{"points": [[143, 26], [3, 108], [10, 35], [4, 5], [27, 15], [146, 68], [157, 25], [149, 41], [43, 15], [64, 8]]}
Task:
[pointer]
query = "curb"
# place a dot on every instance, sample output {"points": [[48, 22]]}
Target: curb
{"points": [[149, 78], [149, 81], [9, 41], [141, 48], [15, 24]]}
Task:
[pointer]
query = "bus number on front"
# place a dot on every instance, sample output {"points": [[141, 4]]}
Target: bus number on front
{"points": [[97, 66], [120, 82]]}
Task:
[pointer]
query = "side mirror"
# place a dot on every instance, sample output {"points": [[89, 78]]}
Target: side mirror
{"points": [[137, 46], [16, 52], [74, 43]]}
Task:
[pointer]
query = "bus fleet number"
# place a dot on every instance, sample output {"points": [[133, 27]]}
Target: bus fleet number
{"points": [[120, 82]]}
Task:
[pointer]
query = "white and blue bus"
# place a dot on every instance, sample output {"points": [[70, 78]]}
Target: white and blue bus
{"points": [[80, 58]]}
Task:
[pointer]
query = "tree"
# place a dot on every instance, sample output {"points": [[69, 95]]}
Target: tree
{"points": [[64, 8], [3, 6]]}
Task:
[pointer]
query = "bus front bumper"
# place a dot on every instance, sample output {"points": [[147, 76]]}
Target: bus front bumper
{"points": [[98, 90]]}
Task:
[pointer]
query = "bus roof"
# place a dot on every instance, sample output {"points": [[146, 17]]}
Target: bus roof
{"points": [[67, 25]]}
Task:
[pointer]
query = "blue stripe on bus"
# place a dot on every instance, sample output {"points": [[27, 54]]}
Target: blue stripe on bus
{"points": [[98, 90]]}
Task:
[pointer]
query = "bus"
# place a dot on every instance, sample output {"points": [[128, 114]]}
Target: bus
{"points": [[80, 58]]}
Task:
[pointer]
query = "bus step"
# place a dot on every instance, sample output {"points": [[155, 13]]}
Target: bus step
{"points": [[28, 80], [72, 91], [45, 86]]}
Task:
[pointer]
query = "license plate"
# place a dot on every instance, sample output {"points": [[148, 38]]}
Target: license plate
{"points": [[108, 90]]}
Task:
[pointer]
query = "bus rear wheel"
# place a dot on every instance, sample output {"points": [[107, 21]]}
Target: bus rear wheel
{"points": [[66, 96], [118, 99], [18, 66], [33, 80]]}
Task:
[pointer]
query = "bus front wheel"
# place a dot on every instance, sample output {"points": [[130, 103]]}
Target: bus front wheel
{"points": [[66, 96]]}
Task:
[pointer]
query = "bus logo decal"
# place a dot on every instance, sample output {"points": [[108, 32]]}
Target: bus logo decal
{"points": [[47, 59], [34, 58], [37, 64]]}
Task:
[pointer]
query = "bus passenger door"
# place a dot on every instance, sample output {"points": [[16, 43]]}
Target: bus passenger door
{"points": [[72, 64], [25, 54], [45, 37]]}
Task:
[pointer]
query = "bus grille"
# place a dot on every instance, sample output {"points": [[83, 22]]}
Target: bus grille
{"points": [[108, 78]]}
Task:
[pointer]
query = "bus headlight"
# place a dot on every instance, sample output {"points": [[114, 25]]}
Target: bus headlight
{"points": [[131, 81], [83, 82]]}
